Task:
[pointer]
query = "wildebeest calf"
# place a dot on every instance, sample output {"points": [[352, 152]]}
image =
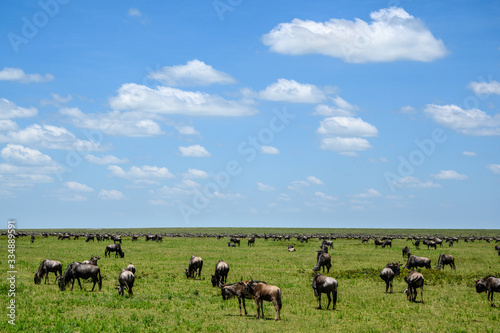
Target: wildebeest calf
{"points": [[388, 273], [325, 285], [490, 284], [415, 280]]}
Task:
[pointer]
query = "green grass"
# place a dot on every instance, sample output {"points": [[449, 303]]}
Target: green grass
{"points": [[164, 300]]}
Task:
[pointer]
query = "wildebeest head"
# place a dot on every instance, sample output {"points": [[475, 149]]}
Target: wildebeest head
{"points": [[38, 278], [480, 285], [62, 282], [119, 288], [215, 279], [188, 274]]}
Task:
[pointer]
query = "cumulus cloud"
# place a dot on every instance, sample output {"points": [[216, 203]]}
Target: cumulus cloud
{"points": [[7, 126], [104, 160], [339, 144], [9, 110], [346, 126], [196, 174], [468, 122], [18, 75], [168, 100], [143, 173], [292, 91], [134, 12], [194, 151], [77, 187], [186, 130], [315, 181], [485, 88], [370, 193], [324, 196], [270, 150], [413, 182], [111, 195], [392, 35], [56, 100], [468, 153], [449, 174], [265, 188], [24, 155], [193, 73], [298, 185], [131, 124], [341, 108], [495, 168]]}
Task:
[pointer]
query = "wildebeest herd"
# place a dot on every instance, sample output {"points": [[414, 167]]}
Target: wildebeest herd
{"points": [[261, 291]]}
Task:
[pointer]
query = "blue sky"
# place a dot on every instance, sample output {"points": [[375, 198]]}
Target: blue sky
{"points": [[250, 114]]}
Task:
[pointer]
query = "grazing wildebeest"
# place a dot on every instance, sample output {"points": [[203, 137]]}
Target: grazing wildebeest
{"points": [[126, 280], [291, 248], [92, 261], [231, 244], [47, 266], [438, 241], [415, 280], [77, 270], [159, 238], [388, 273], [378, 243], [195, 264], [364, 240], [446, 259], [429, 244], [325, 285], [387, 242], [221, 271], [89, 238], [116, 238], [417, 244], [327, 243], [63, 237], [135, 237], [150, 237], [98, 237], [406, 250], [251, 241], [32, 238], [235, 240], [324, 260], [131, 268], [236, 289], [264, 292], [114, 248], [490, 284], [415, 261]]}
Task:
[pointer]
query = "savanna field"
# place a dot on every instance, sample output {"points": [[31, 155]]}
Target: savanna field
{"points": [[165, 300]]}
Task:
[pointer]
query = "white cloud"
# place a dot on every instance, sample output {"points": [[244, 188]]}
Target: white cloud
{"points": [[291, 91], [346, 126], [413, 182], [167, 100], [265, 188], [186, 130], [469, 153], [315, 181], [134, 12], [450, 174], [107, 159], [10, 110], [370, 193], [485, 88], [297, 185], [469, 122], [193, 73], [111, 195], [196, 174], [51, 137], [407, 109], [7, 125], [18, 75], [131, 124], [143, 173], [194, 151], [495, 168], [324, 196], [270, 150], [392, 35], [77, 187], [341, 108], [345, 145], [56, 100], [24, 155]]}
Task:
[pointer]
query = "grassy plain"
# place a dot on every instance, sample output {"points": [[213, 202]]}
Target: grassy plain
{"points": [[165, 301]]}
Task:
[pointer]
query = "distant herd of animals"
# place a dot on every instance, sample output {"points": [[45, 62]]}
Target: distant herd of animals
{"points": [[258, 290]]}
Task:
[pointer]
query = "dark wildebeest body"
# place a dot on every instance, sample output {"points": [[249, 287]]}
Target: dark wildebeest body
{"points": [[114, 248], [378, 243], [415, 261], [415, 280], [89, 238], [324, 260], [327, 243], [387, 242], [388, 273], [236, 289], [126, 280], [406, 251], [195, 264], [264, 292], [221, 271], [490, 284], [446, 259], [135, 237], [76, 271], [231, 244], [32, 238], [325, 285], [235, 240], [430, 243], [251, 241], [47, 266], [417, 244]]}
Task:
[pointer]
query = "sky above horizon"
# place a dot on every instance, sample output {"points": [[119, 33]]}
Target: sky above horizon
{"points": [[373, 114]]}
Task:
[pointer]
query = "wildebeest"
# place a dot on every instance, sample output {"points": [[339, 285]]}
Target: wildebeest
{"points": [[364, 240], [378, 242], [325, 285], [388, 273], [221, 271], [77, 270], [231, 244], [126, 280], [490, 284], [135, 237], [327, 243], [159, 238], [446, 259], [235, 240], [387, 242], [131, 268], [251, 241], [324, 260], [291, 248], [415, 261], [415, 280], [92, 261], [150, 237], [417, 244], [430, 243], [47, 266], [264, 292], [32, 238], [406, 250], [195, 264], [116, 238], [114, 248], [235, 289], [89, 238]]}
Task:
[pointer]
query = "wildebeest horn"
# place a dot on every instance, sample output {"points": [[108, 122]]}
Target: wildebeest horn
{"points": [[241, 279], [251, 278]]}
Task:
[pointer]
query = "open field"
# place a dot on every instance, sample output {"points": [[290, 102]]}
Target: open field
{"points": [[164, 300]]}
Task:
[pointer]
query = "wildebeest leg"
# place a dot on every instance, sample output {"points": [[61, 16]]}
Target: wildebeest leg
{"points": [[95, 281], [421, 294], [277, 309], [262, 307], [490, 298], [329, 299], [386, 286], [80, 284], [239, 303], [256, 300], [318, 299], [334, 296]]}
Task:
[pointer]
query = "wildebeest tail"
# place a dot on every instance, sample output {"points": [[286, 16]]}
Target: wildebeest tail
{"points": [[99, 282], [278, 300]]}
